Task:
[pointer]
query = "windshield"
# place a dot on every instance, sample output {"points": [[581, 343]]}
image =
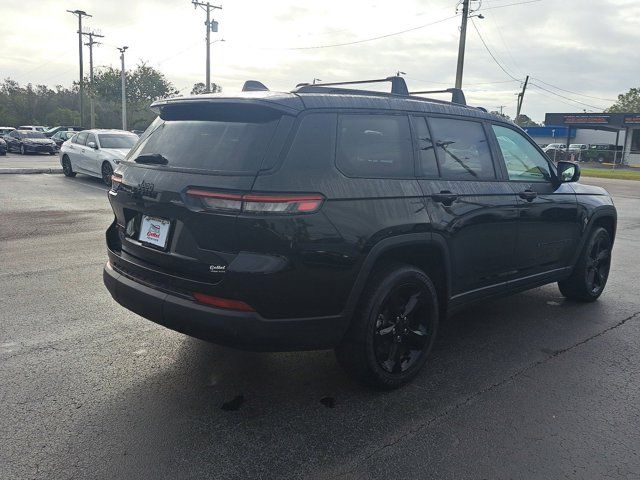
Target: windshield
{"points": [[214, 138], [114, 140], [34, 135]]}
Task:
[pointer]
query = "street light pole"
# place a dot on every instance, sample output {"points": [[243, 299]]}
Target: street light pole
{"points": [[80, 14], [123, 78]]}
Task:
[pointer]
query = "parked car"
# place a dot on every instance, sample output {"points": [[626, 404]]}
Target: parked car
{"points": [[52, 131], [575, 151], [3, 147], [559, 146], [29, 141], [34, 128], [62, 136], [555, 154], [602, 153], [5, 130], [95, 152], [346, 219]]}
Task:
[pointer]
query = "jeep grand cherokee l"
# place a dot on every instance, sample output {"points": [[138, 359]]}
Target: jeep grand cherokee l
{"points": [[347, 219]]}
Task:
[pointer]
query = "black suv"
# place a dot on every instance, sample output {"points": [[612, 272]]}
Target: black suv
{"points": [[349, 219]]}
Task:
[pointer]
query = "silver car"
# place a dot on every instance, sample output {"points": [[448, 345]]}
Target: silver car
{"points": [[95, 152]]}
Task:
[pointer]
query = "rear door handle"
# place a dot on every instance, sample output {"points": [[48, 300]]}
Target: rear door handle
{"points": [[528, 195], [445, 197]]}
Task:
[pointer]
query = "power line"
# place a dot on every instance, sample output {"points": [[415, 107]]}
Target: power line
{"points": [[491, 53], [371, 39], [574, 93], [565, 97], [510, 5]]}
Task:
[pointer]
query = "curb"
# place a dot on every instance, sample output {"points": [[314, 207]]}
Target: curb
{"points": [[29, 170]]}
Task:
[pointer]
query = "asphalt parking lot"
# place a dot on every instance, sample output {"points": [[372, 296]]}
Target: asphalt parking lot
{"points": [[529, 386]]}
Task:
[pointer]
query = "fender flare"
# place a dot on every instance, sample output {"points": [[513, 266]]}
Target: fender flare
{"points": [[601, 212], [433, 240]]}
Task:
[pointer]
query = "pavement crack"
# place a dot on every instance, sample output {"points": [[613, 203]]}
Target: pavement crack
{"points": [[470, 398]]}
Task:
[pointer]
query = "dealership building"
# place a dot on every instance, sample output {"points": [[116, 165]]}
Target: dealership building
{"points": [[611, 128]]}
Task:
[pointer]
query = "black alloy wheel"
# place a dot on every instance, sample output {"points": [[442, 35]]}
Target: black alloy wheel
{"points": [[590, 275], [393, 329], [402, 328], [107, 171], [598, 264]]}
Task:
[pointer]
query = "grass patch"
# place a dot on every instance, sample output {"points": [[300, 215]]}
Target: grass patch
{"points": [[620, 174]]}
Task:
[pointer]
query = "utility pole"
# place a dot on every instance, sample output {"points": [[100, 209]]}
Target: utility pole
{"points": [[501, 107], [521, 98], [123, 78], [80, 14], [212, 26], [90, 44], [463, 41]]}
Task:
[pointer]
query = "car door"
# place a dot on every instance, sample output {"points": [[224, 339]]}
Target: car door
{"points": [[76, 151], [549, 226], [471, 208], [90, 155], [13, 142]]}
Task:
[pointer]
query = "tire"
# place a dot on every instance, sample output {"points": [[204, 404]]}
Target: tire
{"points": [[600, 159], [52, 153], [589, 276], [107, 171], [393, 330], [66, 167], [23, 151]]}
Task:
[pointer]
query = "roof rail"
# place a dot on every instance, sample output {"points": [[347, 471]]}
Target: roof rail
{"points": [[398, 85], [457, 95]]}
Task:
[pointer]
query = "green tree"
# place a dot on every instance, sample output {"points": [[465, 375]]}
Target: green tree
{"points": [[145, 84], [200, 88], [627, 102], [506, 117], [524, 121]]}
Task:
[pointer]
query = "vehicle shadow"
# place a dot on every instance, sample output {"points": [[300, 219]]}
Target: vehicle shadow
{"points": [[212, 411]]}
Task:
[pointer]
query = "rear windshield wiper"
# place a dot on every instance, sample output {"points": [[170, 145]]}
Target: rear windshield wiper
{"points": [[154, 158]]}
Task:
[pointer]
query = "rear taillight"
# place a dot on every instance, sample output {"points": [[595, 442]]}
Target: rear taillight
{"points": [[258, 203]]}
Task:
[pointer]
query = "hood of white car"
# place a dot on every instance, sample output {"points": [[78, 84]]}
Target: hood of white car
{"points": [[115, 153]]}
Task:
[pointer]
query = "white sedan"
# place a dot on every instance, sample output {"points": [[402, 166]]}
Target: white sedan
{"points": [[95, 152]]}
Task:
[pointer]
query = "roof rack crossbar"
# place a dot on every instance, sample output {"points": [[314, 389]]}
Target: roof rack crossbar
{"points": [[457, 95], [398, 85]]}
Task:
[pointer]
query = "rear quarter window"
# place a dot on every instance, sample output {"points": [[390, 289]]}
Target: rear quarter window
{"points": [[374, 146]]}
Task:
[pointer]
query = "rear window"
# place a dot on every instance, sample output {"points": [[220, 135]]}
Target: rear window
{"points": [[114, 140], [216, 138]]}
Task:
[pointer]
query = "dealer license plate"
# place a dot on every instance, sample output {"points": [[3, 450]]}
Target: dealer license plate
{"points": [[154, 231]]}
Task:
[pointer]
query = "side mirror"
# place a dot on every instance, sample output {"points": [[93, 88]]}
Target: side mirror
{"points": [[568, 172], [92, 145]]}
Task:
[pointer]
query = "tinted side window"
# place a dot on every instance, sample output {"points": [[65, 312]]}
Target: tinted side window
{"points": [[463, 150], [375, 146], [80, 138], [427, 164], [522, 159]]}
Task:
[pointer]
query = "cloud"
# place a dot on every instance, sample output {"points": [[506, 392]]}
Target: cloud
{"points": [[583, 46]]}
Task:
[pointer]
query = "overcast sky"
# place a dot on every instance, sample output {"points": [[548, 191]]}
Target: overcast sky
{"points": [[587, 47]]}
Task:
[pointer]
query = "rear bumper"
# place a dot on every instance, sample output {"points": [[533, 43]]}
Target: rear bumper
{"points": [[242, 330]]}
